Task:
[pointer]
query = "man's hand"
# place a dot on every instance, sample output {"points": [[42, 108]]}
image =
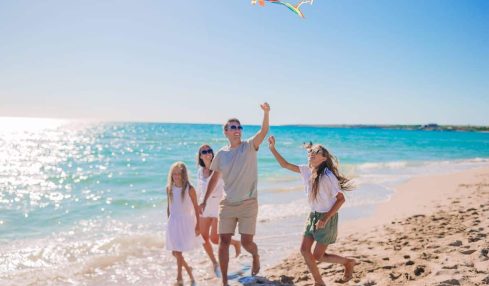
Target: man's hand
{"points": [[202, 207]]}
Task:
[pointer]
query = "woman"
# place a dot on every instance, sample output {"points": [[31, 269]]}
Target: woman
{"points": [[208, 219]]}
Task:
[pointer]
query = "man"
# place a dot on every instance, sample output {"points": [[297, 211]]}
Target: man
{"points": [[237, 164]]}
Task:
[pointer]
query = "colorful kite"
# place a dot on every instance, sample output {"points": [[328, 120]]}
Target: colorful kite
{"points": [[293, 8], [260, 2]]}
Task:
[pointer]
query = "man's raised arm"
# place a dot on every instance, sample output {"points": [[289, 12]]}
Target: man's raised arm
{"points": [[265, 126]]}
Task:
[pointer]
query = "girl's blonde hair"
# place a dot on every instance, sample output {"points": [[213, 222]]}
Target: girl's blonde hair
{"points": [[332, 164], [185, 182]]}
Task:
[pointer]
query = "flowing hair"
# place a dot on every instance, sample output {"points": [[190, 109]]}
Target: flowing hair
{"points": [[332, 164], [185, 182]]}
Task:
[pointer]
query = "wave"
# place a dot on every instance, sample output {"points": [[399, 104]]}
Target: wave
{"points": [[269, 212], [383, 165], [76, 255], [393, 165], [375, 183], [119, 249]]}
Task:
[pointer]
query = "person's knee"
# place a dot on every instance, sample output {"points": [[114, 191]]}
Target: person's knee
{"points": [[205, 236], [246, 241], [225, 240], [318, 255], [305, 251], [215, 239]]}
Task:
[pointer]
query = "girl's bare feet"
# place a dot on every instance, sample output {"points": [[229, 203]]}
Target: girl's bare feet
{"points": [[348, 275], [217, 270], [189, 272]]}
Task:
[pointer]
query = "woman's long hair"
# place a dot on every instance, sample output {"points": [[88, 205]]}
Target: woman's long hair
{"points": [[332, 164], [200, 162], [185, 182]]}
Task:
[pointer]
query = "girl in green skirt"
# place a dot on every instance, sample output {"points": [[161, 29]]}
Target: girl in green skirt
{"points": [[324, 185]]}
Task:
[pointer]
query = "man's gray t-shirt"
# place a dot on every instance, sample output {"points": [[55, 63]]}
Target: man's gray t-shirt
{"points": [[238, 168]]}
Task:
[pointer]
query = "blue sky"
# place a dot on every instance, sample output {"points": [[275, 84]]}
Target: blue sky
{"points": [[361, 61]]}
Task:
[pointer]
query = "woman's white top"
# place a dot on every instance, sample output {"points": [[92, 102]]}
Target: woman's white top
{"points": [[212, 206], [329, 187]]}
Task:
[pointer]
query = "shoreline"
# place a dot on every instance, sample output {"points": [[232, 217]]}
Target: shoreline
{"points": [[279, 242], [416, 195], [406, 239]]}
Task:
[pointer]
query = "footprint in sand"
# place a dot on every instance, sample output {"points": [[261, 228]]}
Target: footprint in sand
{"points": [[419, 270], [456, 243], [451, 267], [394, 275], [468, 252], [449, 282]]}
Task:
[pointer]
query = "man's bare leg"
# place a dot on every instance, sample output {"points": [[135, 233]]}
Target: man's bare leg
{"points": [[250, 246], [224, 242]]}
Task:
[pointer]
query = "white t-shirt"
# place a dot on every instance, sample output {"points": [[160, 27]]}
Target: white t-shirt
{"points": [[329, 187]]}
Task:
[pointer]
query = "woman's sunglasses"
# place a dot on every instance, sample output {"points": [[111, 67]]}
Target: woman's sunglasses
{"points": [[314, 151], [235, 127], [207, 151]]}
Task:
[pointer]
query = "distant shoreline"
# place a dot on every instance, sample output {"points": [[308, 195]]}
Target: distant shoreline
{"points": [[422, 127]]}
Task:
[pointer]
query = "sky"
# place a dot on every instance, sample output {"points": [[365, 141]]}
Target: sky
{"points": [[346, 62]]}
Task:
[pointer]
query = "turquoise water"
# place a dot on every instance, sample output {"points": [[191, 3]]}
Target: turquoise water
{"points": [[57, 174], [90, 185]]}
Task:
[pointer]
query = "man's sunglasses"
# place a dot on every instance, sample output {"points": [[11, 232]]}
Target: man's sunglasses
{"points": [[207, 151], [235, 127]]}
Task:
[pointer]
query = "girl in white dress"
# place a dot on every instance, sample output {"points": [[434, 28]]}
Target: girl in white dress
{"points": [[183, 218], [323, 185], [208, 218]]}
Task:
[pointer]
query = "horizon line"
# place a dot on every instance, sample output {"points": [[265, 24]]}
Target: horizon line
{"points": [[213, 123]]}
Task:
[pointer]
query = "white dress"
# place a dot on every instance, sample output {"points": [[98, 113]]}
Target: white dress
{"points": [[180, 234], [212, 206]]}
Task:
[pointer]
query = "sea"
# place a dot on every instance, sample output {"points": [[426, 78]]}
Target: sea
{"points": [[83, 202]]}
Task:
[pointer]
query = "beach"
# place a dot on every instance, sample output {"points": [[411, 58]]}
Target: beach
{"points": [[433, 231], [100, 100], [84, 202]]}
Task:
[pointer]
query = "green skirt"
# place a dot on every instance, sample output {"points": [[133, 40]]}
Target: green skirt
{"points": [[325, 235]]}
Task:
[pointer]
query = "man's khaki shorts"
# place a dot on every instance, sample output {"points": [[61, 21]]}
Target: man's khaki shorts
{"points": [[243, 213]]}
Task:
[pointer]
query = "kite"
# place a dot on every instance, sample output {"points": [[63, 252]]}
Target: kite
{"points": [[293, 8], [260, 2]]}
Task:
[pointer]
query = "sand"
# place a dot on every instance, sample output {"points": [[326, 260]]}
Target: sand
{"points": [[433, 231]]}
